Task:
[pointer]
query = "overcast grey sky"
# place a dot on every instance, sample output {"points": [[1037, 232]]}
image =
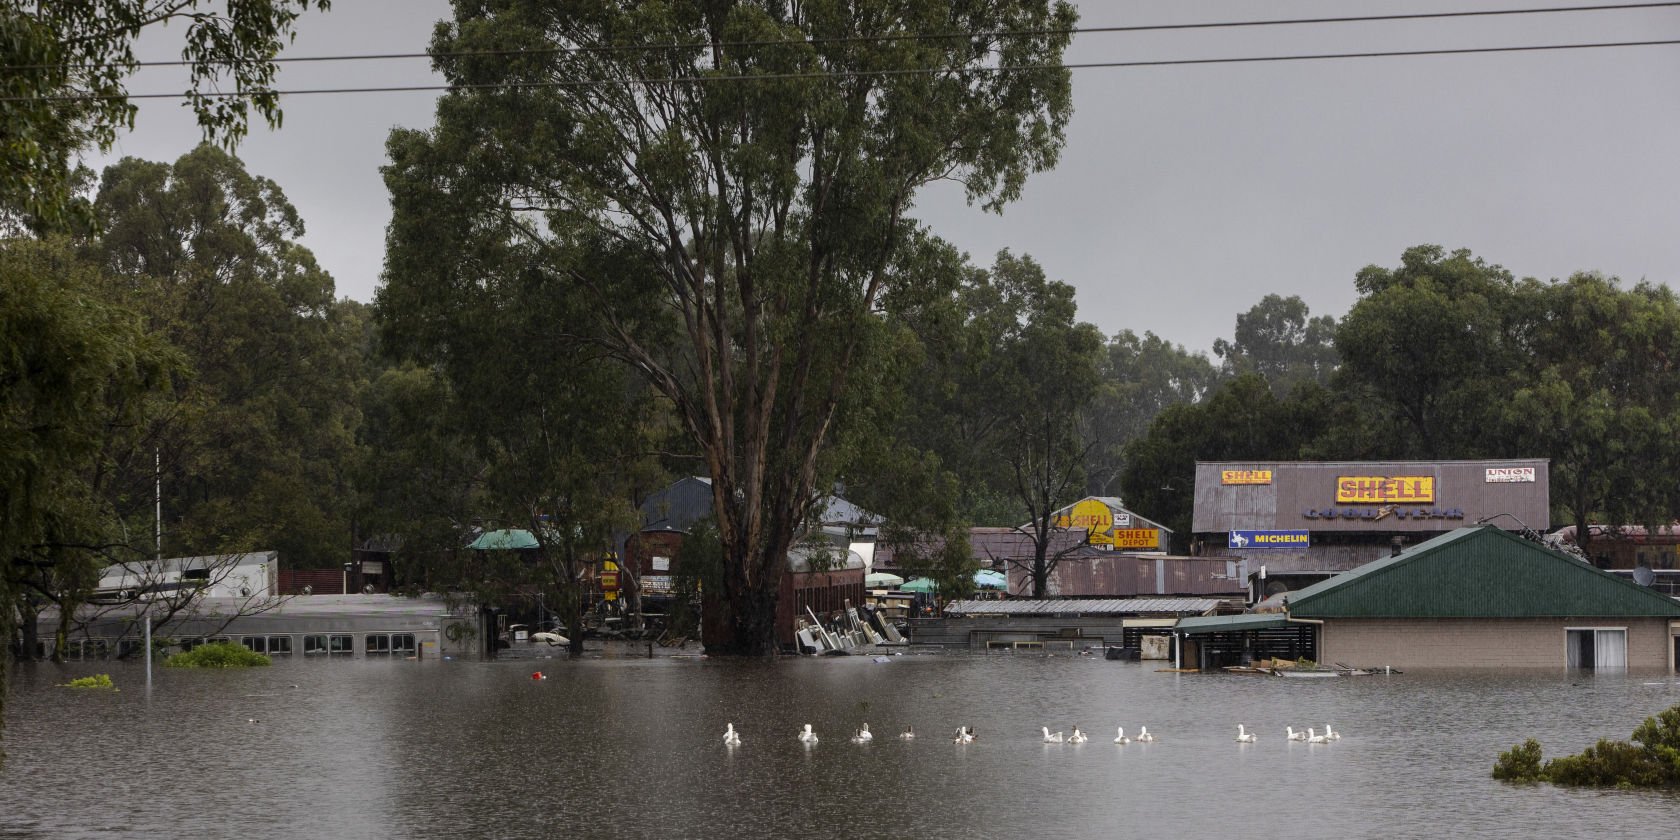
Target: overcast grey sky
{"points": [[1185, 194]]}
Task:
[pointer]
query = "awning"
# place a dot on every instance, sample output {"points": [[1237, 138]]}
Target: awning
{"points": [[1231, 623]]}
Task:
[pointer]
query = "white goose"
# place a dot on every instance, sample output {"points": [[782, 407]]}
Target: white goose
{"points": [[864, 734], [965, 735], [807, 735], [907, 735], [1077, 737], [1121, 737], [1051, 738], [1330, 734], [730, 736], [1245, 736], [1295, 736], [1143, 734], [1314, 738]]}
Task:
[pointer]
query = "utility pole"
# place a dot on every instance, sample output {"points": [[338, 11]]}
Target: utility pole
{"points": [[157, 553]]}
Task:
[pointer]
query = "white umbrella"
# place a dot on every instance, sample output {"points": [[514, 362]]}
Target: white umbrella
{"points": [[878, 580]]}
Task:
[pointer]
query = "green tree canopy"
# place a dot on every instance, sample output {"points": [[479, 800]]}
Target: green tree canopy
{"points": [[731, 182], [1279, 339], [64, 89], [258, 433]]}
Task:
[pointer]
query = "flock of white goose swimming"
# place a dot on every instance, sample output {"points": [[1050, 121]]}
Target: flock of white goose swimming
{"points": [[965, 735]]}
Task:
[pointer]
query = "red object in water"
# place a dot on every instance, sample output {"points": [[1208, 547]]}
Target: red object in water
{"points": [[538, 675]]}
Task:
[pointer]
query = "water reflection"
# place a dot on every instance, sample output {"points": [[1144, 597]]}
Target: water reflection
{"points": [[633, 748]]}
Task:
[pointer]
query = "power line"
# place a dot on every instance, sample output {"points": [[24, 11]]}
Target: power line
{"points": [[999, 33], [648, 82]]}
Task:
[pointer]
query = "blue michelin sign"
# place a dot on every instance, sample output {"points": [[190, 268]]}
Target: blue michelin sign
{"points": [[1267, 539]]}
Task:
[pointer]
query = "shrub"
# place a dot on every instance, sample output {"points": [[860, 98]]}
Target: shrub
{"points": [[1520, 764], [95, 681], [1606, 764], [1653, 761], [218, 655]]}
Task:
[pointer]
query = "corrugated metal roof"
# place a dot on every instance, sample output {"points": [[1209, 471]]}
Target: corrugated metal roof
{"points": [[1480, 572], [1302, 495], [1230, 623], [1086, 606]]}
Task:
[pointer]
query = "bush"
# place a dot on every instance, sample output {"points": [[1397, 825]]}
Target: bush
{"points": [[1606, 764], [1653, 761], [1520, 764], [218, 655], [95, 681]]}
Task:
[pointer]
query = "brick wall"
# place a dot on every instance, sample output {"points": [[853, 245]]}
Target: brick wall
{"points": [[1481, 643]]}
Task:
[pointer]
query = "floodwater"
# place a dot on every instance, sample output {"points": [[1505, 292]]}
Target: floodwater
{"points": [[610, 748]]}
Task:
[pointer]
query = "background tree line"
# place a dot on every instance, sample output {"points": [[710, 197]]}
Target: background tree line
{"points": [[594, 284]]}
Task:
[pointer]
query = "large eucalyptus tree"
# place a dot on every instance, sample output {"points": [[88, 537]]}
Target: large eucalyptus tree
{"points": [[729, 184]]}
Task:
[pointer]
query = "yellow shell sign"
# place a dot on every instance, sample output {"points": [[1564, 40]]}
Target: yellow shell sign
{"points": [[1137, 538], [1245, 476], [1093, 516], [1376, 489]]}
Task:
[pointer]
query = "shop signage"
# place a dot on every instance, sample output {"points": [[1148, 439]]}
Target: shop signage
{"points": [[1377, 489], [1510, 475], [609, 580], [1137, 538], [1245, 476], [1093, 516], [1267, 539], [1375, 513]]}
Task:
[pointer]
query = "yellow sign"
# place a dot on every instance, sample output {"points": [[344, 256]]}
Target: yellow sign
{"points": [[1376, 489], [1137, 538], [1245, 476], [1093, 516]]}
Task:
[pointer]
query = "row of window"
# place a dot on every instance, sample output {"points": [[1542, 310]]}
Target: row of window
{"points": [[314, 644]]}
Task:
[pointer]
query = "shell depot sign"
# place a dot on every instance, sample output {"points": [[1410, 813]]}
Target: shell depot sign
{"points": [[1099, 521]]}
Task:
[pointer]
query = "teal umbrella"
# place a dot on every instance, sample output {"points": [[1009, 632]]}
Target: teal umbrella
{"points": [[919, 585], [990, 579], [506, 540]]}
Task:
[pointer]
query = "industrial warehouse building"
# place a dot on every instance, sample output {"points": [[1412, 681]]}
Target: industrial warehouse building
{"points": [[1478, 598], [1304, 521]]}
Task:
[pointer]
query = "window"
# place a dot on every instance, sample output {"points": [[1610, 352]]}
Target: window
{"points": [[130, 647], [256, 643], [1596, 647], [340, 644], [314, 645], [402, 643], [72, 649], [279, 645], [189, 644], [378, 644], [96, 649], [195, 574]]}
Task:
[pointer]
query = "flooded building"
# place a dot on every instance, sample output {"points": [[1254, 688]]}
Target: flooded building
{"points": [[824, 574], [1477, 597], [1290, 524], [1069, 624]]}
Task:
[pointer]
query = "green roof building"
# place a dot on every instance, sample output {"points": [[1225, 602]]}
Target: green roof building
{"points": [[1481, 597]]}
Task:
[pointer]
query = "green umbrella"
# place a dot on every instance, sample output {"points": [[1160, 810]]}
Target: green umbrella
{"points": [[919, 585]]}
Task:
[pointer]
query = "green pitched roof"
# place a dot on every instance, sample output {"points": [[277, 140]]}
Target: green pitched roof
{"points": [[1230, 623], [1478, 572]]}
